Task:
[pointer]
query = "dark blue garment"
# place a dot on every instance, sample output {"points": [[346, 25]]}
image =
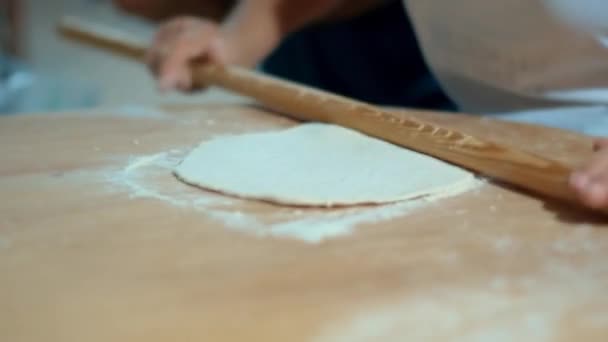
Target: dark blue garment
{"points": [[374, 58]]}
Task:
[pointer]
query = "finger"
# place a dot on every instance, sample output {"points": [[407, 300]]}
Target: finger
{"points": [[184, 82], [171, 75], [597, 169], [217, 51], [600, 143], [153, 59], [188, 42], [163, 42], [176, 70], [591, 182], [579, 180], [587, 192], [595, 196], [158, 53]]}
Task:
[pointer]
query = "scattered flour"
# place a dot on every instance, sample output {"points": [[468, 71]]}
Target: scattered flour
{"points": [[565, 289], [449, 257], [499, 283], [504, 245], [144, 176], [479, 313], [577, 241], [139, 178], [4, 243], [451, 316]]}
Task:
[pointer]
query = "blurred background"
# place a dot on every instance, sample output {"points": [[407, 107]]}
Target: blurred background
{"points": [[41, 71]]}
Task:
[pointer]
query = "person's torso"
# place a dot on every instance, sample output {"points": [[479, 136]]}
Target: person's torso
{"points": [[373, 57]]}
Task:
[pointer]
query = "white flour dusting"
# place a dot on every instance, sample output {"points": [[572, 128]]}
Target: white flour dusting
{"points": [[510, 309], [150, 176], [139, 178], [567, 287], [341, 222], [451, 316], [499, 283], [4, 243], [577, 241], [504, 245]]}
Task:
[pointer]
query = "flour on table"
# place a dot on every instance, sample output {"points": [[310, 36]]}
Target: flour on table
{"points": [[317, 165], [149, 177], [498, 307]]}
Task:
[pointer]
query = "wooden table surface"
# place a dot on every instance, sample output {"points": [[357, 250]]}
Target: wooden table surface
{"points": [[99, 242]]}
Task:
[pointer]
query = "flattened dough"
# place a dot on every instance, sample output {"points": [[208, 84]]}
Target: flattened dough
{"points": [[316, 165]]}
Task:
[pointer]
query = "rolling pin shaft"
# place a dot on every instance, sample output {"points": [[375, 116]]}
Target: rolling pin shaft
{"points": [[525, 170]]}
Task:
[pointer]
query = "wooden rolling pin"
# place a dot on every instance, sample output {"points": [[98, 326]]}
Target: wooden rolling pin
{"points": [[525, 170]]}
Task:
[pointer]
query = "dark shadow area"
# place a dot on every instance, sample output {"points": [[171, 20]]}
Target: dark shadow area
{"points": [[571, 213]]}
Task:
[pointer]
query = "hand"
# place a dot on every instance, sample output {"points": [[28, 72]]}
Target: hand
{"points": [[181, 42], [591, 181]]}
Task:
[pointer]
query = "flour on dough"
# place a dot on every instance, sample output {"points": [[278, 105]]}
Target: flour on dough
{"points": [[317, 165]]}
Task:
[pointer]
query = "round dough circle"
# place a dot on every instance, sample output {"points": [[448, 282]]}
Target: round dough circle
{"points": [[316, 165]]}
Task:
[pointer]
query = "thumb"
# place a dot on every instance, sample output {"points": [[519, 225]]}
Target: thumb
{"points": [[218, 53], [600, 143]]}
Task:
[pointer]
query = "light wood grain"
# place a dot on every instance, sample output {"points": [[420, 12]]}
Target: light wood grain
{"points": [[538, 174], [85, 259]]}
